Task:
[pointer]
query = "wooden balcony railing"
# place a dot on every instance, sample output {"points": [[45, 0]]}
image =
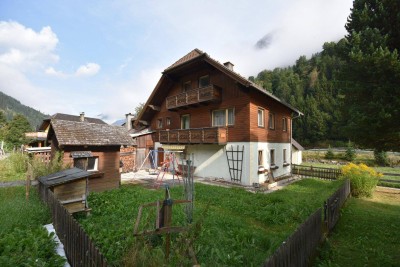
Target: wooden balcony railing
{"points": [[210, 93], [212, 135]]}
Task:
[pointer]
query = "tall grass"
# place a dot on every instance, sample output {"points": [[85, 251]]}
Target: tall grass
{"points": [[23, 240]]}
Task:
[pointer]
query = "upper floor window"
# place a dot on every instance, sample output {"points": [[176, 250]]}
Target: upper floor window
{"points": [[168, 121], [187, 86], [204, 81], [284, 124], [159, 123], [260, 117], [185, 121], [223, 117], [271, 121]]}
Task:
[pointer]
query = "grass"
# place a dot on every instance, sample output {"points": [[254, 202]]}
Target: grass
{"points": [[13, 168], [23, 240], [232, 227], [367, 233]]}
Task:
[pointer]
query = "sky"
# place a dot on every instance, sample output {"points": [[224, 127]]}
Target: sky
{"points": [[105, 57]]}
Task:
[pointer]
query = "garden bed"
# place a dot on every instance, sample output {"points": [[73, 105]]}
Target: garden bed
{"points": [[232, 227]]}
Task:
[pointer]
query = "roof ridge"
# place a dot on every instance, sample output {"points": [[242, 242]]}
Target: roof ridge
{"points": [[189, 56]]}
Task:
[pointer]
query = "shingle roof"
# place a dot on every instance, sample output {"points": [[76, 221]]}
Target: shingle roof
{"points": [[68, 117], [63, 177], [93, 134], [189, 56]]}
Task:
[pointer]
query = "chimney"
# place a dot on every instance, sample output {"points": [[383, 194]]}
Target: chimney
{"points": [[82, 116], [128, 122], [229, 65]]}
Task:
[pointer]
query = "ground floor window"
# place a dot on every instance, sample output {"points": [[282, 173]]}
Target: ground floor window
{"points": [[272, 156], [260, 158]]}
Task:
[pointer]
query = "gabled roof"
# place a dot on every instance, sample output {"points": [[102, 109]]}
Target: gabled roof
{"points": [[73, 133], [297, 145], [63, 177], [68, 117], [197, 55]]}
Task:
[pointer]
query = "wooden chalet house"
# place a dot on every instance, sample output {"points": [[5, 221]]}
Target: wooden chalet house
{"points": [[233, 128], [89, 144]]}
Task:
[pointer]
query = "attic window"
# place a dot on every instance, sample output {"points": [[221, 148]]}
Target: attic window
{"points": [[284, 124], [271, 121], [186, 86], [88, 163], [204, 81], [159, 123]]}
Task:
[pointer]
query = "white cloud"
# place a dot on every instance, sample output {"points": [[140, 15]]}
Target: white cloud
{"points": [[25, 49], [89, 69], [52, 72]]}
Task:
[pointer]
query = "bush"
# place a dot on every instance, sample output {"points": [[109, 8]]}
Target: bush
{"points": [[329, 154], [363, 179], [41, 169], [381, 158], [350, 154]]}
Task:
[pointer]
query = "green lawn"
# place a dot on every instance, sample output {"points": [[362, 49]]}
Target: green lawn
{"points": [[232, 227], [367, 233], [13, 168], [23, 240]]}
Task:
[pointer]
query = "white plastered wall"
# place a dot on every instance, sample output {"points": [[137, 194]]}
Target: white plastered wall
{"points": [[297, 157], [211, 161]]}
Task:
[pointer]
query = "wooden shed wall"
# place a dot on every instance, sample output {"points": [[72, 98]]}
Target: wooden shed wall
{"points": [[70, 191], [108, 165]]}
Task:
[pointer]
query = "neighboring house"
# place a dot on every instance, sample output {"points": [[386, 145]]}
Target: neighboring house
{"points": [[92, 146], [36, 139], [231, 127], [297, 152]]}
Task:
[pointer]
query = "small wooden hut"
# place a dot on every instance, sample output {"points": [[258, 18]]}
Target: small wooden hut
{"points": [[69, 186]]}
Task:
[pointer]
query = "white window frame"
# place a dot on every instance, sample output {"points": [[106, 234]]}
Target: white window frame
{"points": [[271, 121], [185, 116], [226, 120], [96, 164], [284, 124], [272, 157], [260, 159], [261, 111]]}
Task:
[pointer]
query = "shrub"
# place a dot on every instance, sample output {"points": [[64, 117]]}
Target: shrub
{"points": [[329, 154], [350, 154], [363, 179], [381, 158]]}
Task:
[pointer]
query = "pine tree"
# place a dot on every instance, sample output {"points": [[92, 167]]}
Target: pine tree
{"points": [[371, 77]]}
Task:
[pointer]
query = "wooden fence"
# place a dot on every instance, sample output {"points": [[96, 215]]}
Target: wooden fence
{"points": [[79, 248], [299, 248], [333, 205], [318, 172]]}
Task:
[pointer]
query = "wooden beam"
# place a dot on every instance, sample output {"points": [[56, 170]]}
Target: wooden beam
{"points": [[156, 108], [144, 122]]}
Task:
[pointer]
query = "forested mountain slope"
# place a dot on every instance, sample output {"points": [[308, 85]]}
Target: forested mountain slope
{"points": [[10, 107]]}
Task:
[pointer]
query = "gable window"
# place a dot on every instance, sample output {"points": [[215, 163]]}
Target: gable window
{"points": [[284, 124], [272, 157], [271, 121], [159, 123], [204, 81], [168, 121], [186, 86], [260, 117], [89, 163], [185, 121], [223, 117]]}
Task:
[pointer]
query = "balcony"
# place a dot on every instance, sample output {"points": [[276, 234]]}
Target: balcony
{"points": [[212, 135], [194, 97]]}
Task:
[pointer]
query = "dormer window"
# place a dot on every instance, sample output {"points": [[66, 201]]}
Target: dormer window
{"points": [[204, 81]]}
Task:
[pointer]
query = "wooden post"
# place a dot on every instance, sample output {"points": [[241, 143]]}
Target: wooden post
{"points": [[28, 181]]}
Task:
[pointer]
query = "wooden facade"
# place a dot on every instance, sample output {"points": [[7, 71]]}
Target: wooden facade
{"points": [[231, 95]]}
